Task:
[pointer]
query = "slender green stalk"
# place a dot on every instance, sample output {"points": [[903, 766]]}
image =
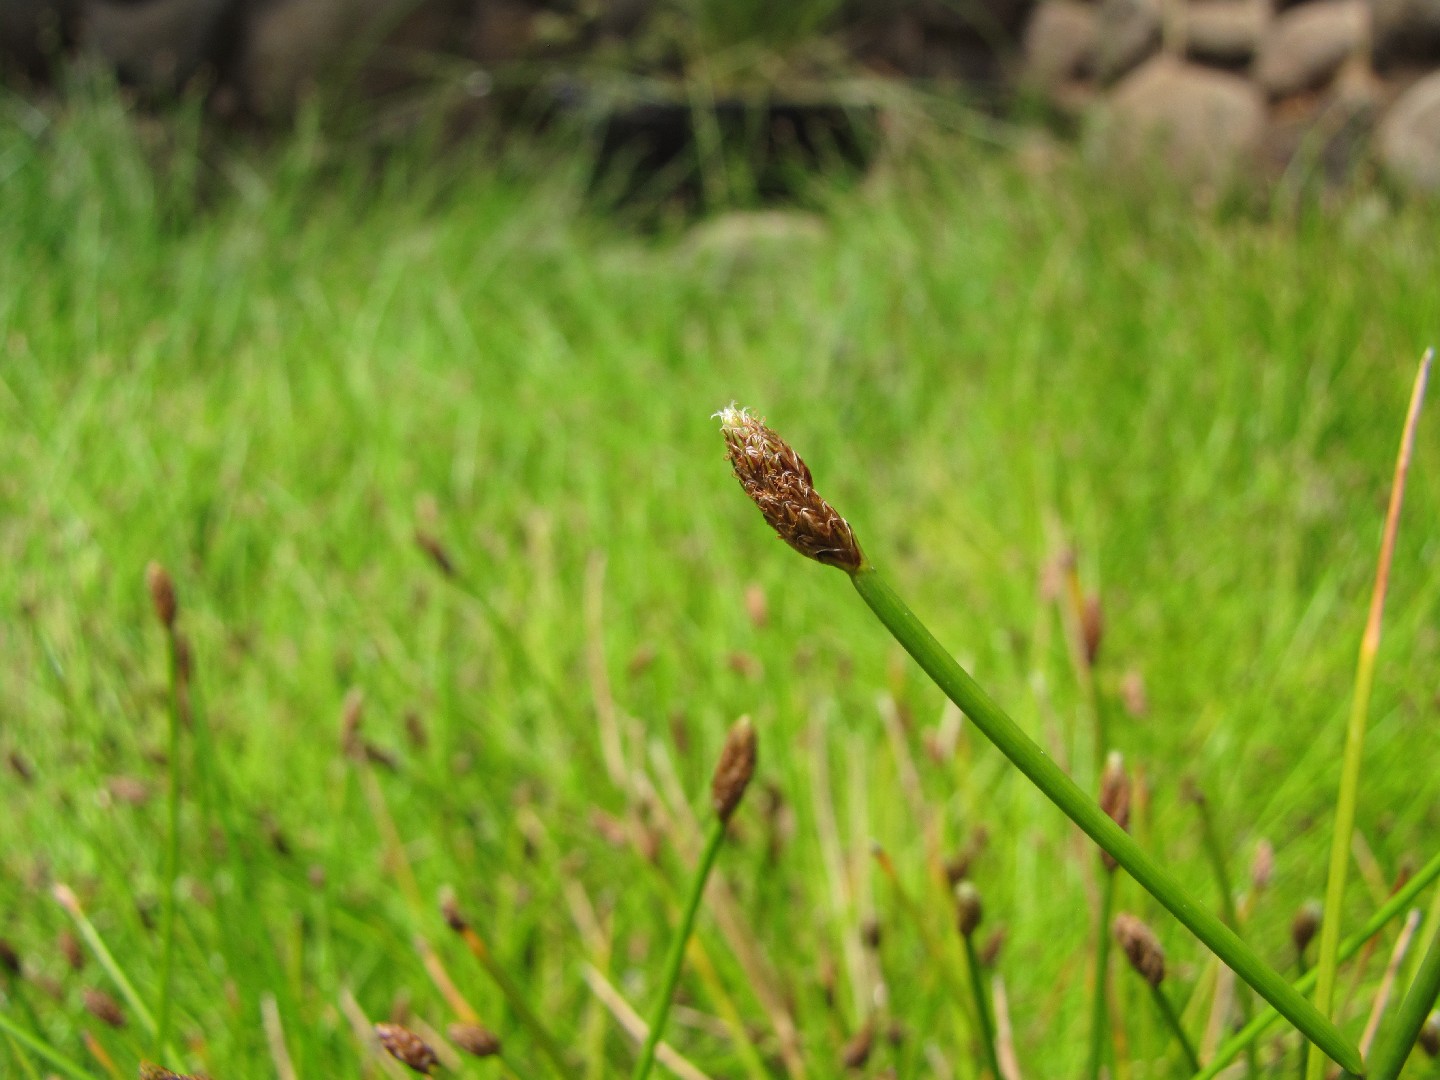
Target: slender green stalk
{"points": [[1348, 948], [670, 977], [982, 1007], [513, 996], [1172, 1021], [1210, 837], [1022, 751], [172, 850], [1404, 1028], [1326, 960], [1099, 1016], [43, 1050], [18, 1052], [68, 900]]}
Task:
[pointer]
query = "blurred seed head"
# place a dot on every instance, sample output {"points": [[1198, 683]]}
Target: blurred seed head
{"points": [[69, 947], [1306, 924], [162, 594], [9, 959], [1262, 867], [856, 1052], [735, 768], [1092, 628], [1141, 947], [779, 483], [431, 546], [450, 910], [968, 908], [990, 951], [1115, 798], [151, 1071], [352, 713], [406, 1047], [870, 932], [474, 1039], [103, 1007], [1430, 1035]]}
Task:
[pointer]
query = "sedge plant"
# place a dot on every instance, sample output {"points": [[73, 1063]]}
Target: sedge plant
{"points": [[1326, 961], [732, 776], [780, 485]]}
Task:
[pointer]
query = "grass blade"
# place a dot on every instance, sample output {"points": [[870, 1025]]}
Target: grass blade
{"points": [[1327, 955], [1401, 1033]]}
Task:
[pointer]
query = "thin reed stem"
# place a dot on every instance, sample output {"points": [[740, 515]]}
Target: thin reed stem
{"points": [[1327, 956], [1022, 751], [1215, 851], [675, 959], [172, 847], [67, 899], [1172, 1021], [1402, 899], [43, 1050], [1400, 1034], [1099, 1005], [516, 1000], [982, 1007]]}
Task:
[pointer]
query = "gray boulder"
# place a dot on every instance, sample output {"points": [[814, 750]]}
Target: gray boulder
{"points": [[1225, 32], [1205, 125], [1409, 138], [1059, 43], [1406, 31], [1306, 45], [1128, 33]]}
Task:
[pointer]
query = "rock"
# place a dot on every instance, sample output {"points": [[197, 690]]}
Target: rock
{"points": [[1305, 46], [1204, 124], [159, 44], [1224, 32], [1059, 43], [1405, 30], [1128, 33], [1410, 136]]}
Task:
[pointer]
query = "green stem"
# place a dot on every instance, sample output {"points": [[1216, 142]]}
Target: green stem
{"points": [[1404, 1028], [1216, 852], [172, 856], [676, 957], [1348, 948], [1099, 1019], [1167, 1011], [1022, 751], [982, 1008], [513, 995], [43, 1050]]}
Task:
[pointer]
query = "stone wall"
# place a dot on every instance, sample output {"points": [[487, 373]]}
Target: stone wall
{"points": [[1216, 86], [1227, 86]]}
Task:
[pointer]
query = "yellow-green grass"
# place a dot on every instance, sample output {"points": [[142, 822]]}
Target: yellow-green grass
{"points": [[264, 371]]}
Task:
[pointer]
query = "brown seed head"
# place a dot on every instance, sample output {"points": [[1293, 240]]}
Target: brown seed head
{"points": [[1430, 1035], [474, 1039], [990, 951], [9, 959], [870, 932], [150, 1071], [103, 1007], [70, 948], [1115, 799], [431, 546], [450, 910], [735, 768], [1092, 628], [351, 714], [968, 908], [406, 1047], [1306, 924], [1262, 867], [856, 1052], [162, 594], [1141, 946], [779, 483]]}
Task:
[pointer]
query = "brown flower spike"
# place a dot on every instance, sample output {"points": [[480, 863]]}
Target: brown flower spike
{"points": [[1141, 946], [778, 482]]}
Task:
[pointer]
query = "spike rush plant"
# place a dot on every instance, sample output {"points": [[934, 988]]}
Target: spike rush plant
{"points": [[780, 484]]}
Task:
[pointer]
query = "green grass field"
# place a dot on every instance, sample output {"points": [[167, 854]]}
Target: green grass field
{"points": [[266, 373]]}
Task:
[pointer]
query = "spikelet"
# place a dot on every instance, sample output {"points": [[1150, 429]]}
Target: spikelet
{"points": [[779, 483], [103, 1007], [968, 908], [1115, 799], [475, 1039], [734, 770], [1142, 948], [406, 1047], [162, 594]]}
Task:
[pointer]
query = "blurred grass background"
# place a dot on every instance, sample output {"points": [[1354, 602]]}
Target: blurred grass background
{"points": [[266, 370]]}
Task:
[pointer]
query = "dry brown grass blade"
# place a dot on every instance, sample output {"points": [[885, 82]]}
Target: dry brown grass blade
{"points": [[636, 1027]]}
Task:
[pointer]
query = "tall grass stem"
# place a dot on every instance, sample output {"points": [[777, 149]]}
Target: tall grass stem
{"points": [[1398, 1037], [1022, 751], [1402, 899], [172, 848], [1326, 960], [670, 976], [1099, 1004], [982, 1007]]}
